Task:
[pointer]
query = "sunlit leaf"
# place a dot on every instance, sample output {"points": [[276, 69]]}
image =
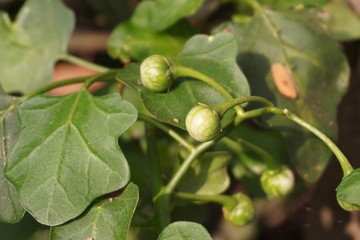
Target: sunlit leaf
{"points": [[296, 68], [184, 231], [30, 46], [107, 219], [67, 153]]}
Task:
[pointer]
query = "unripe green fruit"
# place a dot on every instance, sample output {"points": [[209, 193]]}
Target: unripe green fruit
{"points": [[155, 73], [277, 183], [350, 207], [242, 213], [202, 123]]}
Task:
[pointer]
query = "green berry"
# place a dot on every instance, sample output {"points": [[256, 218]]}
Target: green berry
{"points": [[347, 206], [202, 123], [242, 213], [155, 73], [277, 183]]}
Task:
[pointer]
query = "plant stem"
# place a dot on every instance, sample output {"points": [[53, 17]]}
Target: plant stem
{"points": [[181, 71], [252, 114], [224, 200], [167, 130], [170, 187], [161, 204], [344, 162], [224, 107], [108, 75], [84, 63], [236, 145]]}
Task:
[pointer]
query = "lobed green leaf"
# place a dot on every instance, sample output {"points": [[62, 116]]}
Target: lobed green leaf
{"points": [[67, 153], [107, 219], [29, 51]]}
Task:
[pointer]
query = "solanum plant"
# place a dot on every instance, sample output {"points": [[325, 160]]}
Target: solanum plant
{"points": [[98, 165]]}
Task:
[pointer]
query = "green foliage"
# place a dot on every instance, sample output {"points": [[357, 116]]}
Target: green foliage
{"points": [[147, 14], [184, 231], [290, 68], [70, 155], [109, 218], [11, 210], [207, 175], [147, 32], [348, 191], [275, 77], [214, 55], [341, 20], [23, 42]]}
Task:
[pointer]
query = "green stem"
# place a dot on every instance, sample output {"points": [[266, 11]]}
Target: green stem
{"points": [[268, 159], [224, 200], [252, 114], [106, 76], [84, 63], [344, 162], [51, 86], [170, 187], [224, 107], [161, 204], [181, 71], [167, 130]]}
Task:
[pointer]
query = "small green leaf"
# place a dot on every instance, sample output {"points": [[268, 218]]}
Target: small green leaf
{"points": [[349, 188], [159, 15], [184, 231], [67, 153], [107, 219], [207, 174], [11, 210], [130, 41], [30, 46], [299, 69], [214, 56]]}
